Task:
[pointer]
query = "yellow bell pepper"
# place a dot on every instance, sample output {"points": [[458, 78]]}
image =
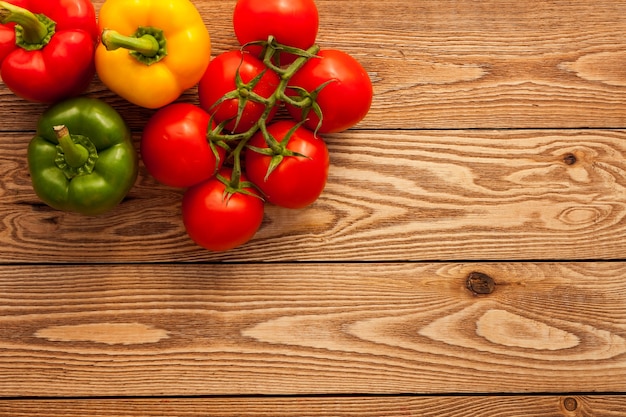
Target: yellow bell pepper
{"points": [[151, 51]]}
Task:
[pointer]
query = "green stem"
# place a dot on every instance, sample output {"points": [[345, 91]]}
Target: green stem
{"points": [[272, 143], [288, 72], [75, 155], [278, 95], [33, 30], [236, 175], [296, 103], [146, 45]]}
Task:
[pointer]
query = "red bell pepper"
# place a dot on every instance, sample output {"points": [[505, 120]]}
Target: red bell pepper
{"points": [[47, 47]]}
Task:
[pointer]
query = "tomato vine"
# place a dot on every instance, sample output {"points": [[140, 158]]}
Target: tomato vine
{"points": [[244, 93], [256, 159]]}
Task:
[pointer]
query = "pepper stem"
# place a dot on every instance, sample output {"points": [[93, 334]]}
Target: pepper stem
{"points": [[147, 44], [75, 154], [34, 28]]}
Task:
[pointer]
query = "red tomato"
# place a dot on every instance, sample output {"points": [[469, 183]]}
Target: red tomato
{"points": [[219, 222], [298, 180], [344, 102], [291, 22], [174, 146], [219, 79]]}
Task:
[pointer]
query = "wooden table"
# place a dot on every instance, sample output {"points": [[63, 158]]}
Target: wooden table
{"points": [[464, 259]]}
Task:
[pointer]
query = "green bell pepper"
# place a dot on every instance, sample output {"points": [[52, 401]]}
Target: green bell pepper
{"points": [[82, 158]]}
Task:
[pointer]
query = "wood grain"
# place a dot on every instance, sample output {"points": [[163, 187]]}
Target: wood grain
{"points": [[311, 329], [390, 196], [461, 406], [461, 64], [465, 257]]}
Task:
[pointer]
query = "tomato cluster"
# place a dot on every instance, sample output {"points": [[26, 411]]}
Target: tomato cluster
{"points": [[232, 152]]}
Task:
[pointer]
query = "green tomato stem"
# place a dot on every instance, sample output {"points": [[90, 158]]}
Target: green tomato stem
{"points": [[278, 95], [33, 29], [235, 179], [304, 102]]}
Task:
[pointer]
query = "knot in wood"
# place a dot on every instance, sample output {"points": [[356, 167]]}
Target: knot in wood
{"points": [[570, 159], [570, 404], [480, 283]]}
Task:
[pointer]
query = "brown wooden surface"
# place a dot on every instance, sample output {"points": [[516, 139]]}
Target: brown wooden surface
{"points": [[415, 195], [493, 153], [312, 329], [505, 406]]}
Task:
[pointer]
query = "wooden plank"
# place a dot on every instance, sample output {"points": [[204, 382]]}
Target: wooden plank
{"points": [[123, 315], [390, 196], [462, 64], [474, 406], [150, 330]]}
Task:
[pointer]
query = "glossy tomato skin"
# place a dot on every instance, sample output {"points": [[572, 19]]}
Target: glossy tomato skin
{"points": [[345, 101], [297, 181], [219, 79], [174, 146], [293, 23], [218, 223]]}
